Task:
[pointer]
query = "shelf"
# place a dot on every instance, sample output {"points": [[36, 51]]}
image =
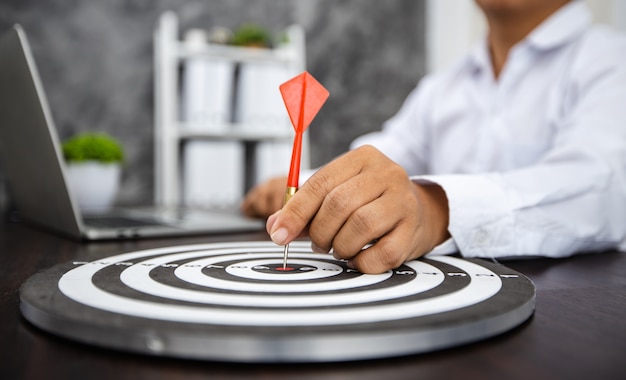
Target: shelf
{"points": [[173, 137], [247, 134], [236, 54]]}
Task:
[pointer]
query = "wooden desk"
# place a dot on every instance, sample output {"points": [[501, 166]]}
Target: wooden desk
{"points": [[578, 330]]}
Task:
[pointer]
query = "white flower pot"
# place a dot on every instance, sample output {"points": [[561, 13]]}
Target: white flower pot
{"points": [[94, 184]]}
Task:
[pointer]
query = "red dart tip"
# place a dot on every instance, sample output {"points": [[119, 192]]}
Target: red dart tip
{"points": [[285, 269]]}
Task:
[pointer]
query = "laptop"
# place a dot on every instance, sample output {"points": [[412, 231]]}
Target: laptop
{"points": [[34, 167]]}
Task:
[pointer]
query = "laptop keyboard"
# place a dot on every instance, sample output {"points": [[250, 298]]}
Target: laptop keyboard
{"points": [[120, 222]]}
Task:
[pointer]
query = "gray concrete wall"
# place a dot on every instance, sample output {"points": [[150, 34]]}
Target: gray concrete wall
{"points": [[95, 59]]}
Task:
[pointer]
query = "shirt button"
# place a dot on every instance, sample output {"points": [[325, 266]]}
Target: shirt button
{"points": [[481, 238]]}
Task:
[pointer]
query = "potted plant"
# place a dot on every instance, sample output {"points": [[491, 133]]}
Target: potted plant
{"points": [[94, 163], [252, 35]]}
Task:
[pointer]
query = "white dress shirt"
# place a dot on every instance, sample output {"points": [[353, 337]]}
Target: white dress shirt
{"points": [[534, 163]]}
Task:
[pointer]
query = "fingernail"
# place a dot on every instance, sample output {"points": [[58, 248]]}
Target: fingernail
{"points": [[280, 236], [350, 264]]}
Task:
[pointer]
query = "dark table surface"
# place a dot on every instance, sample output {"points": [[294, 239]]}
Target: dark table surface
{"points": [[578, 330]]}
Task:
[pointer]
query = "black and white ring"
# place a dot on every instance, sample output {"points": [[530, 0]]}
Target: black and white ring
{"points": [[233, 292]]}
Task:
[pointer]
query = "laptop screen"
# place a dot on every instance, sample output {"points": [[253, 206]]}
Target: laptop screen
{"points": [[29, 146]]}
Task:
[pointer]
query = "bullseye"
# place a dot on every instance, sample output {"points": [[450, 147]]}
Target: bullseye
{"points": [[203, 298], [293, 268]]}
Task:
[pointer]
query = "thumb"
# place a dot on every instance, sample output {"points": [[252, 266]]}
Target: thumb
{"points": [[278, 233]]}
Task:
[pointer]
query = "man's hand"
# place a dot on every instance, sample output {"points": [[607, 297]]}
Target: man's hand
{"points": [[265, 199], [359, 198]]}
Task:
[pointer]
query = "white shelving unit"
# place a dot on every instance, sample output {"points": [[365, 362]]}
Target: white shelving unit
{"points": [[173, 134]]}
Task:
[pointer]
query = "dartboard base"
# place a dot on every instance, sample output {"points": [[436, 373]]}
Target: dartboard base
{"points": [[227, 302]]}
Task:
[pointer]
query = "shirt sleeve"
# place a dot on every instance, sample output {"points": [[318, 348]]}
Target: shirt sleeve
{"points": [[573, 199]]}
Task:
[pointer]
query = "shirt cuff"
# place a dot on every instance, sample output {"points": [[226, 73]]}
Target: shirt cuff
{"points": [[480, 221], [448, 247]]}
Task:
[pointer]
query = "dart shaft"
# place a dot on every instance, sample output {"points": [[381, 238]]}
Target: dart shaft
{"points": [[285, 255], [294, 168]]}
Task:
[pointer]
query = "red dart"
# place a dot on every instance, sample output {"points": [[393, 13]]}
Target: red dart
{"points": [[303, 96]]}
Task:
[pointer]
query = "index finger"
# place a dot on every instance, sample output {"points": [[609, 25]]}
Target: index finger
{"points": [[293, 218]]}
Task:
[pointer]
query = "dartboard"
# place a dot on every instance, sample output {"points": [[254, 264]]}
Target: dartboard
{"points": [[235, 302]]}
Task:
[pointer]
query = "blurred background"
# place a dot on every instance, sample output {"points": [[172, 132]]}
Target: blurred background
{"points": [[96, 61]]}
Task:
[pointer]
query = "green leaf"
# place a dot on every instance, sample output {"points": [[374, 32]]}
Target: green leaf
{"points": [[93, 146]]}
